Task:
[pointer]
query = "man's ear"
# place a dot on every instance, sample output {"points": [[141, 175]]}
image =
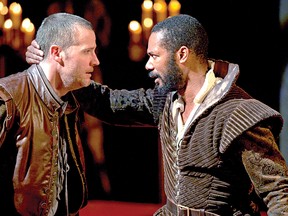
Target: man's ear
{"points": [[183, 54], [55, 52]]}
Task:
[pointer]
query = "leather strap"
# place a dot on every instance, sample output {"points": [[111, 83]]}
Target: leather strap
{"points": [[179, 210]]}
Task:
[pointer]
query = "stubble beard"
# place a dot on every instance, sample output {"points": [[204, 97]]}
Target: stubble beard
{"points": [[173, 78]]}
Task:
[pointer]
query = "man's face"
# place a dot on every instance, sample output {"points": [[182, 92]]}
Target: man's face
{"points": [[162, 65], [79, 61]]}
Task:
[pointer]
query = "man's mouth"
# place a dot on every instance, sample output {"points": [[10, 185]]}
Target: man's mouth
{"points": [[154, 76], [157, 80]]}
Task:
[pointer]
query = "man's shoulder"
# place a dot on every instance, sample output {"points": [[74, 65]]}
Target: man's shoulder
{"points": [[242, 114], [13, 84], [9, 81], [251, 108]]}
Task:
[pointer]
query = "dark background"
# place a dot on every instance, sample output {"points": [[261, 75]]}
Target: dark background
{"points": [[243, 32]]}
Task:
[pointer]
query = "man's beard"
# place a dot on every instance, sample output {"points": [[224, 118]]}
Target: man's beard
{"points": [[172, 80]]}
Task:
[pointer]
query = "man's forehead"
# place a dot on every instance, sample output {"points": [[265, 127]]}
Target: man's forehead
{"points": [[155, 41]]}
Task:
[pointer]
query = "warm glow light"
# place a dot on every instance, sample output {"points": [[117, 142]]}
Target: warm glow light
{"points": [[147, 18], [147, 10], [136, 52], [15, 11], [160, 8], [148, 23], [25, 23], [3, 10], [4, 2], [135, 31], [30, 28], [153, 11], [8, 24], [15, 8], [135, 26], [1, 14], [147, 4], [174, 8], [157, 6], [16, 33]]}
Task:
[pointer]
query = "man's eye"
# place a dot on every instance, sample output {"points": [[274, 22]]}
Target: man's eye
{"points": [[154, 56], [89, 51]]}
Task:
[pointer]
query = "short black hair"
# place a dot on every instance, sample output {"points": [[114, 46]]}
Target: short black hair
{"points": [[183, 30]]}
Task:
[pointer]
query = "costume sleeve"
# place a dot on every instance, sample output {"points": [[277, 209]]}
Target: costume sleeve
{"points": [[266, 168], [2, 121], [118, 107]]}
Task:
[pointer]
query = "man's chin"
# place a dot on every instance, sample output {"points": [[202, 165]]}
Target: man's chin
{"points": [[163, 90], [83, 85]]}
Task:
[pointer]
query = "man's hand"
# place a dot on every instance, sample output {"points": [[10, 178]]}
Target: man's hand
{"points": [[33, 54]]}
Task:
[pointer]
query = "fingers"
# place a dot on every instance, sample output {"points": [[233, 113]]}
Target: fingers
{"points": [[32, 58], [33, 54], [35, 44]]}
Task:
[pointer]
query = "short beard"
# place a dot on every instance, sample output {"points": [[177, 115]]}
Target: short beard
{"points": [[173, 78], [171, 82]]}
